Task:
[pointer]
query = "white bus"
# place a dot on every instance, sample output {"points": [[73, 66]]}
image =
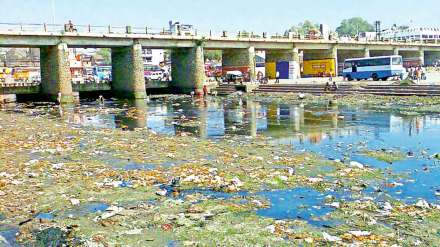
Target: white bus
{"points": [[376, 68]]}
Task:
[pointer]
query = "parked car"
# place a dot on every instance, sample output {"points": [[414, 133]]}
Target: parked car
{"points": [[234, 77], [153, 73]]}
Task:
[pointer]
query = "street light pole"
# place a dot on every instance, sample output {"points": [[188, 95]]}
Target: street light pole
{"points": [[53, 10]]}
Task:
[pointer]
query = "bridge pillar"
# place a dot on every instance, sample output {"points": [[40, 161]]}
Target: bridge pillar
{"points": [[240, 59], [56, 81], [334, 55], [421, 56], [366, 52], [396, 51], [188, 69], [274, 56], [128, 72]]}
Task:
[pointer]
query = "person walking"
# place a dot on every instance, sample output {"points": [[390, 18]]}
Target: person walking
{"points": [[277, 76], [423, 72], [418, 75], [205, 90]]}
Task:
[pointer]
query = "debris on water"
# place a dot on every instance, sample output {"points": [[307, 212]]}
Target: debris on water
{"points": [[57, 166], [423, 204], [387, 206], [335, 205], [162, 192], [356, 164], [330, 238], [74, 201], [315, 180], [360, 233], [110, 212]]}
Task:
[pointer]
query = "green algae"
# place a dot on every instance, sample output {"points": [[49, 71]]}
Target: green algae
{"points": [[389, 156]]}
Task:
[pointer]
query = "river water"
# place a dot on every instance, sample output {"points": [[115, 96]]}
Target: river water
{"points": [[333, 132]]}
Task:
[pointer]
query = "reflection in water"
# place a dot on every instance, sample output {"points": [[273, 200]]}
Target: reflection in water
{"points": [[251, 108], [214, 118], [134, 117]]}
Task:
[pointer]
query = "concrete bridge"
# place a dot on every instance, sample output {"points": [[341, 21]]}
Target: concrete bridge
{"points": [[187, 55]]}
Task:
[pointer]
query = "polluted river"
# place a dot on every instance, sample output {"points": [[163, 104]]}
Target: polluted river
{"points": [[252, 170]]}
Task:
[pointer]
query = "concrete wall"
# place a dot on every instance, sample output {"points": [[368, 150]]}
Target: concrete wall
{"points": [[347, 54], [55, 73], [317, 54], [188, 69], [91, 87], [128, 72], [378, 53], [273, 56], [21, 90], [413, 54], [431, 57], [240, 58]]}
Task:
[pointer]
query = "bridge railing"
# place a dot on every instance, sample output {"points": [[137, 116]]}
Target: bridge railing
{"points": [[64, 28]]}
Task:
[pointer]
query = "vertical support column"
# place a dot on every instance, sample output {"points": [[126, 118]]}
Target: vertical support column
{"points": [[395, 51], [240, 59], [334, 55], [296, 63], [188, 69], [252, 64], [422, 55], [366, 52], [128, 72], [56, 81]]}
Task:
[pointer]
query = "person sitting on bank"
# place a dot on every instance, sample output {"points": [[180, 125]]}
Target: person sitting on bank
{"points": [[205, 90], [335, 86], [327, 86]]}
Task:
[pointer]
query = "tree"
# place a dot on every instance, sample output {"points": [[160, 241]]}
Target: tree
{"points": [[354, 26], [106, 55], [304, 28], [213, 55]]}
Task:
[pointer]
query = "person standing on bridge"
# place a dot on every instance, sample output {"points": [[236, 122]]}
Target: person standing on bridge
{"points": [[277, 76], [69, 27]]}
